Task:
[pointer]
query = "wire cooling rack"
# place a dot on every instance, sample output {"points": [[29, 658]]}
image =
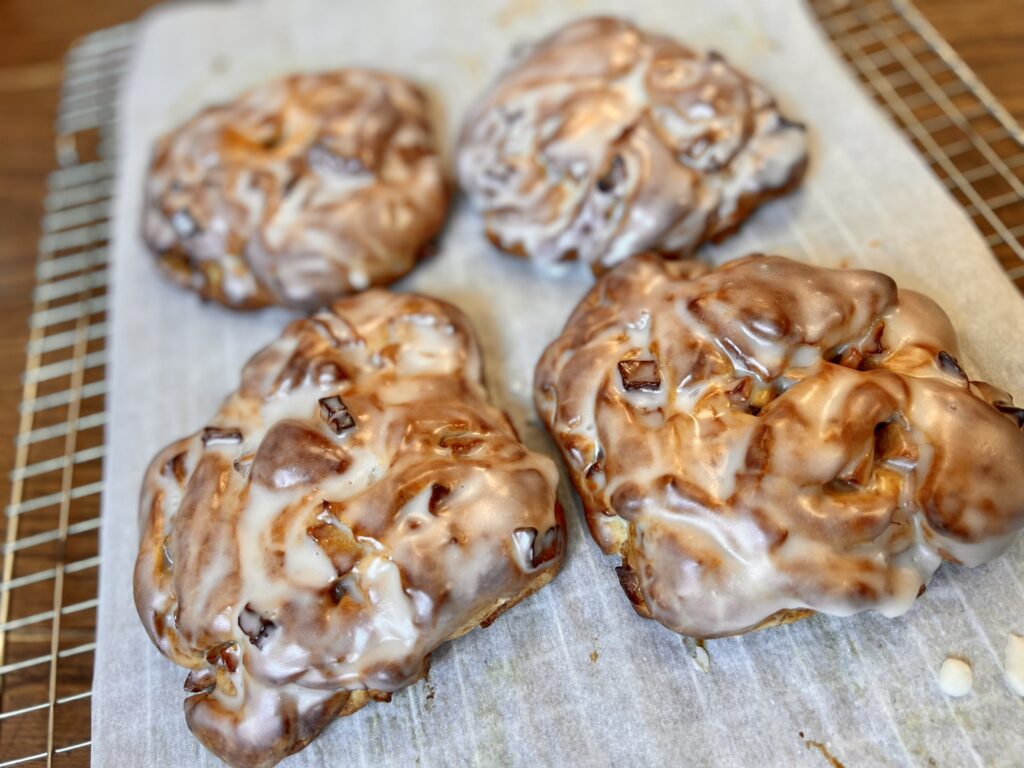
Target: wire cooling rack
{"points": [[50, 543], [971, 142], [50, 527]]}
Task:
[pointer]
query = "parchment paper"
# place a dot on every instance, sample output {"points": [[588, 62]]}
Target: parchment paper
{"points": [[571, 676]]}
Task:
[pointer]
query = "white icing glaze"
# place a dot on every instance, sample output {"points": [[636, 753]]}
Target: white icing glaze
{"points": [[955, 677], [603, 140], [1014, 663], [793, 443], [298, 191], [353, 505]]}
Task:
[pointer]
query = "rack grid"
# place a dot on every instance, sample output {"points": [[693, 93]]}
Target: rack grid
{"points": [[49, 529]]}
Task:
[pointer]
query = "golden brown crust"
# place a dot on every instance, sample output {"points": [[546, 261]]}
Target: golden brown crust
{"points": [[786, 616], [298, 191], [353, 505], [771, 439]]}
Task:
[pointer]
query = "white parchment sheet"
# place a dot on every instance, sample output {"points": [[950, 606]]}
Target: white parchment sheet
{"points": [[571, 676]]}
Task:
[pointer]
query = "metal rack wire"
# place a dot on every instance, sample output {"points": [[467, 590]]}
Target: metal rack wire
{"points": [[50, 527], [972, 144], [50, 549]]}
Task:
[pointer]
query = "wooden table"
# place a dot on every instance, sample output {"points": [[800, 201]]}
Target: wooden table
{"points": [[988, 34]]}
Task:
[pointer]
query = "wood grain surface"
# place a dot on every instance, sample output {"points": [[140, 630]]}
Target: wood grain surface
{"points": [[988, 34]]}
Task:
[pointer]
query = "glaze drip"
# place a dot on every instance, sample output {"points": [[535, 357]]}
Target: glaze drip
{"points": [[803, 451], [350, 525], [298, 191], [603, 140]]}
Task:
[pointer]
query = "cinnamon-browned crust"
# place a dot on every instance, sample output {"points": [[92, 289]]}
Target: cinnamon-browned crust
{"points": [[354, 504], [603, 140], [299, 191], [771, 439]]}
